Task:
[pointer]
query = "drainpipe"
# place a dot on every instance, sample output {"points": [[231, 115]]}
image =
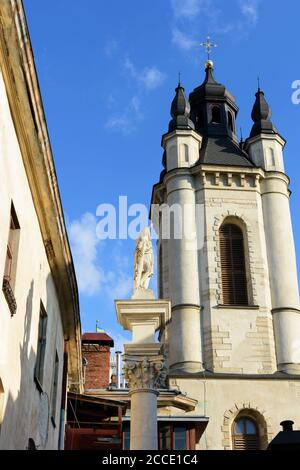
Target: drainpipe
{"points": [[118, 361]]}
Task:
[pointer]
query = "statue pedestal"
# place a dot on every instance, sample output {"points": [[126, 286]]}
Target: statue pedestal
{"points": [[143, 363]]}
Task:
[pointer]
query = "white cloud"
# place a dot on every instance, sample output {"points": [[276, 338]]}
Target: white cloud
{"points": [[182, 40], [249, 9], [152, 78], [149, 77], [212, 15], [189, 8], [84, 243], [92, 278], [119, 282], [127, 121]]}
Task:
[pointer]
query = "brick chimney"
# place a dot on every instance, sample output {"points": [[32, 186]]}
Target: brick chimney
{"points": [[96, 357]]}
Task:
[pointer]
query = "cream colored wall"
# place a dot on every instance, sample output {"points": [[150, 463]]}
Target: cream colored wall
{"points": [[270, 401], [236, 340], [23, 404]]}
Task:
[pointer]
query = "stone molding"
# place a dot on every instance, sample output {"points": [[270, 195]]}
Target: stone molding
{"points": [[246, 409], [250, 247]]}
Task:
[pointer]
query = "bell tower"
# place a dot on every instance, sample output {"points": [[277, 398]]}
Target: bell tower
{"points": [[231, 276]]}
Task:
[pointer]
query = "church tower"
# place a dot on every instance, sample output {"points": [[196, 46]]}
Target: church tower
{"points": [[228, 264]]}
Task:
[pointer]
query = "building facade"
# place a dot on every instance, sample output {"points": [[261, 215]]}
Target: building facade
{"points": [[40, 355], [226, 260]]}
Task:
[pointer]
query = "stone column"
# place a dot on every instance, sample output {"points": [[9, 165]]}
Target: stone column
{"points": [[185, 329], [143, 363], [282, 271], [142, 374]]}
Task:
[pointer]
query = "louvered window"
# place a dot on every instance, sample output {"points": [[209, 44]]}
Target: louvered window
{"points": [[234, 282], [245, 435]]}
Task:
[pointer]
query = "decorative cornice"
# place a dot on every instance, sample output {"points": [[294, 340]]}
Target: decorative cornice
{"points": [[22, 88]]}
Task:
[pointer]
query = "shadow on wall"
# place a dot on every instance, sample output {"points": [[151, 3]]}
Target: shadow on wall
{"points": [[17, 412], [26, 417]]}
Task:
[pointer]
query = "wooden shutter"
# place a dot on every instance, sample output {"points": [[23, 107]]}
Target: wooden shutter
{"points": [[234, 282], [246, 442], [245, 434]]}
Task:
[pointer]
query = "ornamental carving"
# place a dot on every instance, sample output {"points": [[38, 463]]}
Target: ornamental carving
{"points": [[145, 373]]}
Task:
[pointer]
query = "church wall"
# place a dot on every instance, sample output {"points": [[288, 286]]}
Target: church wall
{"points": [[237, 340], [268, 401], [25, 408]]}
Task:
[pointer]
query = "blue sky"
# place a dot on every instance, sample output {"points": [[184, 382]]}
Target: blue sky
{"points": [[107, 73]]}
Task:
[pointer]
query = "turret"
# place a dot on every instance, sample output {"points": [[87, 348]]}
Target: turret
{"points": [[265, 145], [181, 143]]}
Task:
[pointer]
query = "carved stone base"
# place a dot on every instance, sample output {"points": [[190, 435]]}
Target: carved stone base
{"points": [[143, 294]]}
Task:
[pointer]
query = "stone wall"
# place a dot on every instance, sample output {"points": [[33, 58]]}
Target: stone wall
{"points": [[26, 409]]}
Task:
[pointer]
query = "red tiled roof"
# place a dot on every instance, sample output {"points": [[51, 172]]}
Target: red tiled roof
{"points": [[97, 338]]}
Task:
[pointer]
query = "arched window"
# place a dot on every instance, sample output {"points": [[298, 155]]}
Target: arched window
{"points": [[272, 161], [185, 153], [233, 266], [230, 120], [216, 115], [245, 434]]}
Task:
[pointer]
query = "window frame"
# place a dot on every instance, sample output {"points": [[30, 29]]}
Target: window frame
{"points": [[11, 259], [190, 434], [232, 294], [248, 441], [41, 348], [54, 391], [212, 116]]}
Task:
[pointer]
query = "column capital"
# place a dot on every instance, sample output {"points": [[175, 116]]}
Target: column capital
{"points": [[145, 372]]}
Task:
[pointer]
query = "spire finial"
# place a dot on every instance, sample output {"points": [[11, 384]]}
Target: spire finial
{"points": [[179, 77], [208, 45], [258, 83]]}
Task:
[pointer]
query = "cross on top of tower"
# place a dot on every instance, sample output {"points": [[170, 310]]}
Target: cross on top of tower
{"points": [[208, 45]]}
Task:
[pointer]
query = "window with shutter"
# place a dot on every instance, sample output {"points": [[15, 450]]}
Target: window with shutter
{"points": [[233, 267], [41, 348], [245, 434]]}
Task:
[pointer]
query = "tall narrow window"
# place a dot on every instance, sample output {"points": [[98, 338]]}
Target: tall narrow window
{"points": [[9, 277], [245, 434], [185, 152], [165, 437], [54, 388], [216, 115], [41, 347], [272, 157], [233, 266], [230, 121]]}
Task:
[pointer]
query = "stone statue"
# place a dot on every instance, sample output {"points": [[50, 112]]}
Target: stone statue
{"points": [[143, 260]]}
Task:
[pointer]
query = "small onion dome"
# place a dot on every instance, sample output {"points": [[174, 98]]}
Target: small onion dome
{"points": [[261, 116], [180, 111]]}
